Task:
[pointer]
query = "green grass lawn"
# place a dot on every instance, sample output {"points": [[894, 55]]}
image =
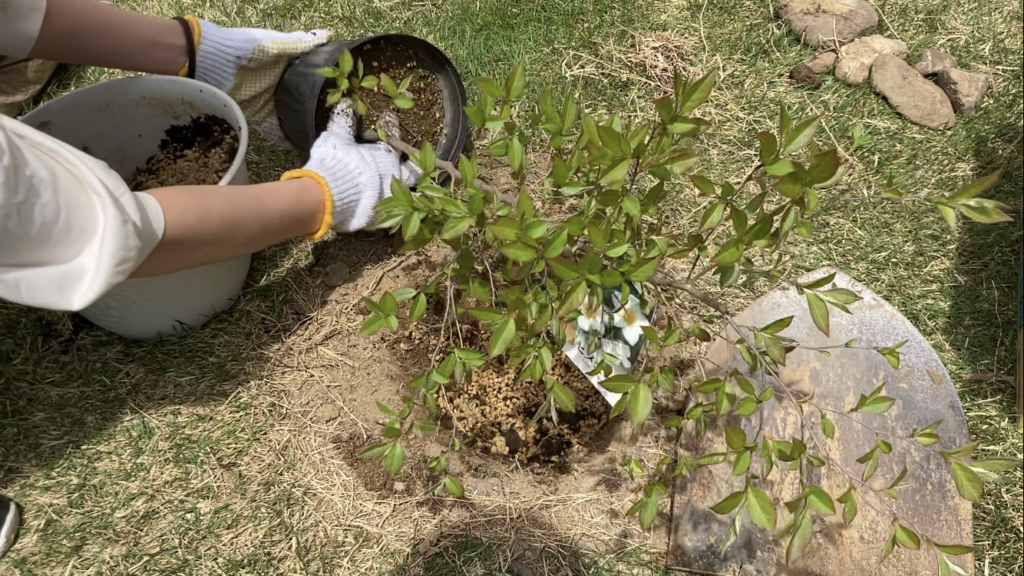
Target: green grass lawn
{"points": [[166, 458]]}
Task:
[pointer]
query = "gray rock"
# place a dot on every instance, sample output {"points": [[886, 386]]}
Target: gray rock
{"points": [[965, 89], [856, 58], [802, 75], [822, 62], [933, 61], [911, 94], [828, 22]]}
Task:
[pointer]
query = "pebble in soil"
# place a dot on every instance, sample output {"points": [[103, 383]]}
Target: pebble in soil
{"points": [[495, 410], [197, 153]]}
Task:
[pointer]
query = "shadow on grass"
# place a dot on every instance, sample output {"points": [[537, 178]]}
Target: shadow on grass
{"points": [[983, 316], [511, 546], [65, 382]]}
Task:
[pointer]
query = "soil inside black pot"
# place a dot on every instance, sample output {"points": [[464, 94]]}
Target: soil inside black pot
{"points": [[197, 153], [423, 122]]}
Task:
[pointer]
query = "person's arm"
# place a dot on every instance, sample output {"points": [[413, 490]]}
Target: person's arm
{"points": [[70, 229], [204, 226], [91, 32]]}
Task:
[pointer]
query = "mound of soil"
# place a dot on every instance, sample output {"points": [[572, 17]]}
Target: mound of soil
{"points": [[197, 153], [423, 122], [494, 410]]}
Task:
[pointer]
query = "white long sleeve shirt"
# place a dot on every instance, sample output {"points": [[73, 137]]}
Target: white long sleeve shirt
{"points": [[70, 229]]}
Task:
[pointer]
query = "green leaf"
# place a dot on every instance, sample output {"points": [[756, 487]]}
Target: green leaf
{"points": [[735, 437], [454, 486], [456, 227], [345, 63], [801, 135], [328, 72], [819, 500], [828, 428], [730, 252], [871, 468], [418, 307], [573, 299], [906, 538], [619, 384], [712, 216], [780, 168], [984, 210], [730, 503], [823, 167], [515, 153], [840, 296], [388, 303], [648, 511], [643, 270], [849, 502], [502, 337], [819, 312], [368, 82], [404, 102], [878, 405], [769, 147], [778, 325], [640, 402], [394, 459], [746, 406], [564, 398], [761, 508], [977, 187], [490, 87], [697, 93], [516, 82], [519, 252], [968, 483], [703, 185], [333, 97], [803, 529], [562, 268], [948, 214], [791, 186], [997, 464], [890, 545], [742, 463], [371, 326], [953, 549], [403, 294], [375, 451], [615, 173], [557, 243]]}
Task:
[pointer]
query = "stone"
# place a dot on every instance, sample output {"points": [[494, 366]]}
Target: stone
{"points": [[856, 58], [336, 275], [933, 61], [828, 22], [910, 94], [802, 75], [822, 62], [326, 413], [965, 89], [399, 486]]}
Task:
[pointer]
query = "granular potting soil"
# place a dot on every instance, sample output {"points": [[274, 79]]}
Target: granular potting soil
{"points": [[423, 122], [197, 153]]}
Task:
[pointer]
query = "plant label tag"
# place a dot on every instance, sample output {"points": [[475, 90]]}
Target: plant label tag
{"points": [[610, 334]]}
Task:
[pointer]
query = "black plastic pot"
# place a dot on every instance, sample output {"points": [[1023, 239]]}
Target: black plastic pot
{"points": [[296, 95]]}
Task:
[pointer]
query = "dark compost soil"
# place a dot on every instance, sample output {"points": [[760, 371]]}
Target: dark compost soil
{"points": [[197, 153], [423, 122]]}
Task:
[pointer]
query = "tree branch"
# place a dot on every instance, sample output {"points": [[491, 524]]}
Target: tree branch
{"points": [[697, 293]]}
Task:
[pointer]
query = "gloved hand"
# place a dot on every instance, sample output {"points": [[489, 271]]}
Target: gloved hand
{"points": [[353, 176], [247, 63]]}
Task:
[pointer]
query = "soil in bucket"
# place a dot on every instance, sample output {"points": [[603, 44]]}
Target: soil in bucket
{"points": [[423, 122], [197, 153]]}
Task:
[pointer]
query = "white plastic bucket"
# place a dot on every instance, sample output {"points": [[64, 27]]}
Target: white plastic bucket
{"points": [[122, 122]]}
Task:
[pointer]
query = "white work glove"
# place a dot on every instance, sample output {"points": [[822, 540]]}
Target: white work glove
{"points": [[247, 63], [354, 176]]}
